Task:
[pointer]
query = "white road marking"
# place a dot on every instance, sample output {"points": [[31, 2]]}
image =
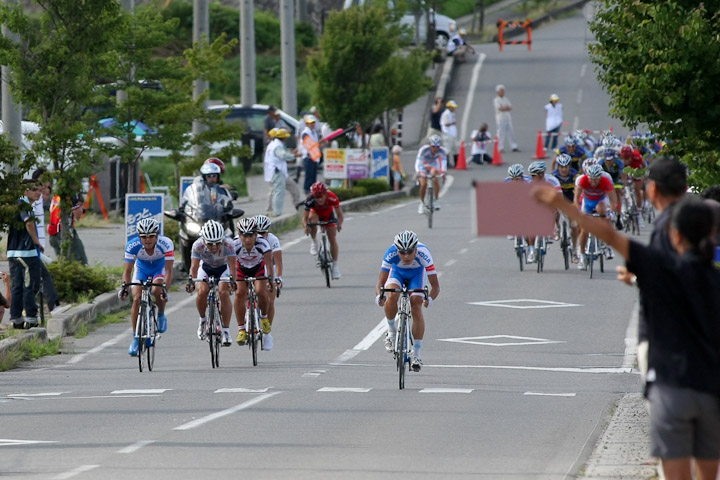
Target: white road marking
{"points": [[136, 446], [46, 394], [631, 339], [463, 251], [75, 472], [80, 357], [579, 96], [446, 390], [479, 340], [313, 374], [538, 394], [544, 369], [583, 69], [224, 413], [576, 123], [450, 262], [141, 391], [364, 344], [7, 442], [242, 390], [471, 94], [534, 303], [344, 389]]}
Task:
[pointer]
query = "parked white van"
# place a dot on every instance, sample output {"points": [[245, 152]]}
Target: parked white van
{"points": [[444, 26]]}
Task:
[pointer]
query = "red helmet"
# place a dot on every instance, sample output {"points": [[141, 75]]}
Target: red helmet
{"points": [[626, 152], [318, 189], [217, 162]]}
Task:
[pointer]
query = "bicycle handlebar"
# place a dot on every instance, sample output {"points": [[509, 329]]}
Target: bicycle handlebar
{"points": [[147, 283], [219, 279], [403, 290]]}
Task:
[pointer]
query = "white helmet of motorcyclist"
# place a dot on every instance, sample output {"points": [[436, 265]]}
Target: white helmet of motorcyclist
{"points": [[210, 169]]}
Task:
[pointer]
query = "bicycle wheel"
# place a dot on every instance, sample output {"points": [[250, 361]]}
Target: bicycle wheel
{"points": [[212, 333], [601, 258], [326, 261], [252, 327], [142, 334], [541, 255], [430, 207], [565, 246], [401, 357], [592, 249], [151, 338]]}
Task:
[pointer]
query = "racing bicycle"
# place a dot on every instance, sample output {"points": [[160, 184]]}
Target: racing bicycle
{"points": [[324, 257], [146, 325], [520, 250], [429, 201], [565, 240], [595, 250], [252, 317], [403, 342], [214, 321]]}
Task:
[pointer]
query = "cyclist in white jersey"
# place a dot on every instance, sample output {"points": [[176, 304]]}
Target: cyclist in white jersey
{"points": [[431, 160], [213, 255], [253, 253], [263, 228], [407, 261], [147, 255]]}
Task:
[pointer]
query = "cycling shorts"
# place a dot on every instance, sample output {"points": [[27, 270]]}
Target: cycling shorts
{"points": [[589, 206], [413, 278], [328, 217], [140, 274], [206, 271], [256, 271]]}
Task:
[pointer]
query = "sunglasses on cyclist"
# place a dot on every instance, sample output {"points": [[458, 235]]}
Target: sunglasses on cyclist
{"points": [[214, 244], [406, 252], [247, 234], [148, 236]]}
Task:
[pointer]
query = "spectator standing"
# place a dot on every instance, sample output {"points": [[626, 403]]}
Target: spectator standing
{"points": [[448, 124], [503, 120], [276, 172], [377, 139], [553, 120], [310, 148], [273, 120], [77, 249], [7, 298], [49, 290], [480, 138], [23, 252], [398, 174], [434, 128]]}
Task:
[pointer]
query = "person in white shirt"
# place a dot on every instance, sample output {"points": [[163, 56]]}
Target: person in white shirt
{"points": [[503, 120], [276, 172], [448, 125], [480, 139], [553, 120]]}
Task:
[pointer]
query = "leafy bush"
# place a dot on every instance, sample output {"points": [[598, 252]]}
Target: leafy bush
{"points": [[373, 185], [74, 280], [348, 193], [161, 171]]}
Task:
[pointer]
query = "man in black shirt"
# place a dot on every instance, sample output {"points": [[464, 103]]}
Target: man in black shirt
{"points": [[435, 114]]}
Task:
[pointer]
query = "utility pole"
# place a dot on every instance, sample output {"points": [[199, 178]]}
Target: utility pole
{"points": [[201, 32], [302, 11], [12, 120], [132, 185], [247, 53], [287, 42]]}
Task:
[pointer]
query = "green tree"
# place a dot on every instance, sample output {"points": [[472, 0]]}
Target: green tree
{"points": [[361, 70], [12, 171], [658, 62]]}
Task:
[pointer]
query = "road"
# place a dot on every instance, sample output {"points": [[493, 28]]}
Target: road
{"points": [[520, 368]]}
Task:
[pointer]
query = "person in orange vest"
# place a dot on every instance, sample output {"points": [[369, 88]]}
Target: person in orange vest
{"points": [[77, 249], [310, 148]]}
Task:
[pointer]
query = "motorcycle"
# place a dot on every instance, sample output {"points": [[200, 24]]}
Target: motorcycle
{"points": [[193, 214]]}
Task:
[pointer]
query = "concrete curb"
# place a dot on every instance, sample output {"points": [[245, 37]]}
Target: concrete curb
{"points": [[11, 343]]}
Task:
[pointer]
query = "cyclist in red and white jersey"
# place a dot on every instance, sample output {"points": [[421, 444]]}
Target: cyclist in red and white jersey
{"points": [[253, 253], [322, 205], [431, 160], [634, 159], [213, 254], [591, 195]]}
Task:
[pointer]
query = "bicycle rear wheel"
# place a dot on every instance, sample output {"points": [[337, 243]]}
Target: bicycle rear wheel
{"points": [[565, 246], [401, 357], [592, 251], [252, 331], [212, 336], [430, 207], [142, 334], [541, 256], [152, 337]]}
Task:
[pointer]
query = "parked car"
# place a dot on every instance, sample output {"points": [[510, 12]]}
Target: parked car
{"points": [[252, 119], [444, 25]]}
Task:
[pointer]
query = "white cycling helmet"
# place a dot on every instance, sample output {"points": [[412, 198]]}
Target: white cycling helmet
{"points": [[594, 171], [263, 223], [516, 170], [406, 240], [212, 232], [247, 226], [536, 167], [435, 140], [147, 226], [563, 160], [571, 141]]}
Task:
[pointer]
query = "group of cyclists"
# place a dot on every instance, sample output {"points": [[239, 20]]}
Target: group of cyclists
{"points": [[594, 176]]}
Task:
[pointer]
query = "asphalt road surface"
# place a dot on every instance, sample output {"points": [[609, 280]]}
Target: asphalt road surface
{"points": [[520, 370]]}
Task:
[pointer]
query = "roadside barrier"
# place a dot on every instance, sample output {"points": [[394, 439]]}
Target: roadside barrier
{"points": [[502, 24]]}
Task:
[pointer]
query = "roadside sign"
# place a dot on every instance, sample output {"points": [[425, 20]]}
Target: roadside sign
{"points": [[380, 162], [357, 163], [335, 167], [185, 182], [142, 205]]}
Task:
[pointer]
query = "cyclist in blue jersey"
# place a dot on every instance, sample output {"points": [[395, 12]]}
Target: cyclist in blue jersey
{"points": [[213, 254], [147, 255], [407, 261], [572, 147], [566, 175]]}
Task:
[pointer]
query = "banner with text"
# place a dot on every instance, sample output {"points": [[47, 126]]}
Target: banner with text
{"points": [[142, 205], [335, 167], [380, 157], [357, 163]]}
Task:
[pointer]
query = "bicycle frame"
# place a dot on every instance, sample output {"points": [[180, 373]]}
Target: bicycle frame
{"points": [[146, 324], [252, 317], [324, 256], [214, 323], [403, 342]]}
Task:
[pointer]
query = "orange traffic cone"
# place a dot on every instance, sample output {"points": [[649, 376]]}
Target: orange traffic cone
{"points": [[497, 157], [540, 149], [461, 162]]}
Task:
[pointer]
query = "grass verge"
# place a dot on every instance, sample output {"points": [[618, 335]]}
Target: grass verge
{"points": [[28, 350], [102, 320]]}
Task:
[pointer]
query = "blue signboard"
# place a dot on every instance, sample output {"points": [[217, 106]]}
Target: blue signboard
{"points": [[185, 182], [380, 162], [142, 205]]}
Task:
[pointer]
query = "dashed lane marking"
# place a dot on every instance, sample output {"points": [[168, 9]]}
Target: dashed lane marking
{"points": [[446, 390], [525, 303], [223, 413], [242, 390], [539, 394], [147, 391], [74, 472], [8, 442], [136, 446], [511, 340], [344, 389]]}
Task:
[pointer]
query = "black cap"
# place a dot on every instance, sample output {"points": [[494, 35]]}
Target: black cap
{"points": [[271, 108]]}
